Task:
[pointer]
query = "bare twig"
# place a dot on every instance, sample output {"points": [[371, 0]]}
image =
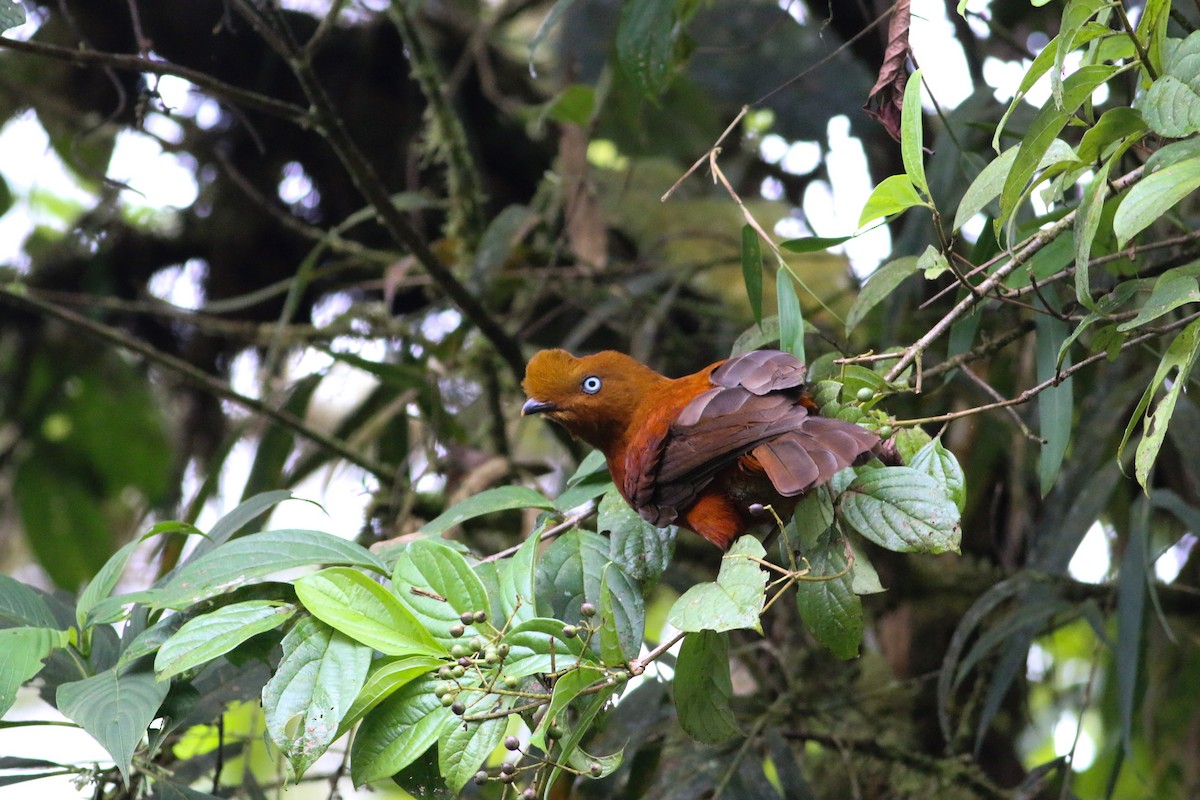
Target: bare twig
{"points": [[562, 527]]}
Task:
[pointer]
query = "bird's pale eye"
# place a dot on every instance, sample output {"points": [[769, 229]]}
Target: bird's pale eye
{"points": [[591, 384]]}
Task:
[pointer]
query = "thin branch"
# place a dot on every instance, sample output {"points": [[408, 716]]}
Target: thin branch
{"points": [[562, 527], [220, 89], [995, 395], [195, 376], [333, 129], [1031, 248], [1034, 391], [638, 665]]}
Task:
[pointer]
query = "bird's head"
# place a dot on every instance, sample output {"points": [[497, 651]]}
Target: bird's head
{"points": [[594, 397]]}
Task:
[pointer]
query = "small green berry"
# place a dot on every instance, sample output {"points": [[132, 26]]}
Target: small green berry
{"points": [[508, 768], [555, 731], [444, 672], [864, 394], [459, 651], [479, 617], [588, 610], [491, 656], [457, 630], [458, 709], [480, 778], [620, 676], [510, 682], [442, 689], [467, 617], [502, 649], [885, 431], [476, 643], [595, 769], [447, 700], [570, 631], [458, 671]]}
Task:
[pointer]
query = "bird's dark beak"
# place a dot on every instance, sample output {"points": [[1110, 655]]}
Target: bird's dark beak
{"points": [[535, 406]]}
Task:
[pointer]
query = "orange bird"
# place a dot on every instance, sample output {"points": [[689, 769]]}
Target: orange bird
{"points": [[707, 451]]}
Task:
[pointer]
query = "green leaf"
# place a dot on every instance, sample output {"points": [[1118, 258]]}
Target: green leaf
{"points": [[566, 688], [863, 577], [465, 747], [313, 688], [702, 688], [538, 645], [591, 479], [985, 188], [893, 195], [1153, 196], [830, 608], [1056, 405], [21, 652], [568, 574], [1131, 603], [385, 676], [813, 244], [639, 548], [901, 509], [233, 523], [932, 262], [1087, 223], [622, 616], [398, 731], [102, 585], [23, 605], [11, 15], [734, 601], [1116, 126], [912, 142], [556, 11], [1181, 356], [115, 709], [1077, 89], [878, 286], [752, 270], [517, 601], [940, 464], [240, 561], [791, 317], [437, 584], [1172, 289], [646, 43], [909, 442], [203, 638], [349, 601], [502, 498], [1172, 105]]}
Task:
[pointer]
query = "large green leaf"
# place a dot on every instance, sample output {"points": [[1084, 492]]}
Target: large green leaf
{"points": [[240, 561], [752, 270], [398, 731], [385, 677], [639, 548], [1153, 196], [1172, 105], [901, 509], [539, 645], [940, 464], [516, 601], [912, 140], [437, 584], [203, 638], [893, 195], [1056, 405], [1172, 289], [465, 748], [21, 652], [566, 688], [115, 708], [622, 616], [702, 688], [313, 688], [828, 605], [734, 601], [23, 605], [349, 601], [646, 35]]}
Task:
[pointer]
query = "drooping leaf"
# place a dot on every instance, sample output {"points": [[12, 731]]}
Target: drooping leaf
{"points": [[1181, 356], [940, 464], [566, 688], [313, 688], [901, 509], [539, 645], [878, 287], [752, 270], [702, 688], [893, 195], [622, 616], [385, 676], [463, 749], [1172, 289], [826, 600], [912, 139], [791, 316], [1056, 405], [734, 601], [115, 708]]}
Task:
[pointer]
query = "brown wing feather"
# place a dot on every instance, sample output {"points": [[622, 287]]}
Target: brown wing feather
{"points": [[755, 407]]}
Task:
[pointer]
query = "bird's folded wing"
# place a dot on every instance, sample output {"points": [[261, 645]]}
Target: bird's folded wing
{"points": [[754, 408]]}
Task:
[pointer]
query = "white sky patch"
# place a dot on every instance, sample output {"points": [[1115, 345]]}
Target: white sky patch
{"points": [[1064, 739], [933, 42], [835, 211], [1168, 566], [1092, 560], [158, 178], [180, 285]]}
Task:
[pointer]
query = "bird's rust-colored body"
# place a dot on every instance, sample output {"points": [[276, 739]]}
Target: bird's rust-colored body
{"points": [[706, 451]]}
